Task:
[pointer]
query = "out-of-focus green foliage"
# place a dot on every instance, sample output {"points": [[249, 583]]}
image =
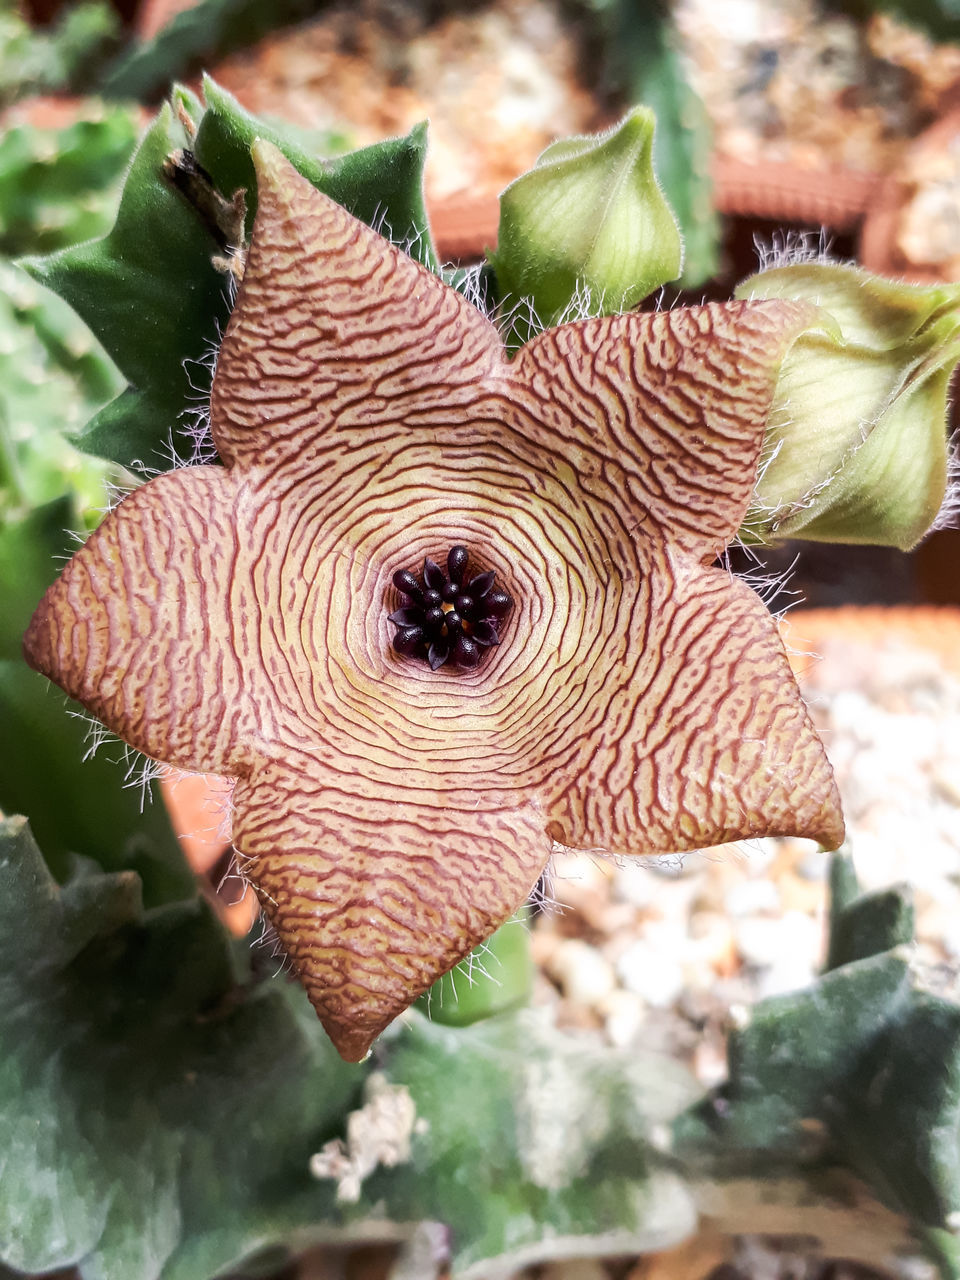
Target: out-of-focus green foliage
{"points": [[56, 185], [68, 57], [53, 375], [59, 186]]}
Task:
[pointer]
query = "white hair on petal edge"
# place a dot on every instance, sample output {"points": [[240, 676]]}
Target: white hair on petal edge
{"points": [[793, 248], [140, 773], [470, 284], [379, 224], [235, 882], [585, 303], [96, 733], [542, 896], [948, 517], [517, 316], [269, 943], [139, 770], [473, 968]]}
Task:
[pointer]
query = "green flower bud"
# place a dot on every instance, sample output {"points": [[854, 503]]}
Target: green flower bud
{"points": [[589, 217], [856, 445]]}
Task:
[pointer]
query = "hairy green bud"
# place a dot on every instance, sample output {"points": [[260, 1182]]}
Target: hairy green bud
{"points": [[589, 218], [856, 448]]}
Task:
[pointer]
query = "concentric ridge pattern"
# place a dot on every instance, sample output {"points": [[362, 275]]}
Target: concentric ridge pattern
{"points": [[232, 619]]}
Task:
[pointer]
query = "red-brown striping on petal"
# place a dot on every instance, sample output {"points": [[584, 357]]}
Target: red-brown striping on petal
{"points": [[676, 402], [327, 337], [372, 906], [698, 744], [138, 627]]}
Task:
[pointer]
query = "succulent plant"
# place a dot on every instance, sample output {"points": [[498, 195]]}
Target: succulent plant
{"points": [[861, 1070], [167, 1116], [186, 306]]}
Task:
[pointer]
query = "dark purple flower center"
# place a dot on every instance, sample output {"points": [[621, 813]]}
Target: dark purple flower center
{"points": [[449, 617]]}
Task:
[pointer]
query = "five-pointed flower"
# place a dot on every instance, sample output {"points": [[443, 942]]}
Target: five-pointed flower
{"points": [[235, 619]]}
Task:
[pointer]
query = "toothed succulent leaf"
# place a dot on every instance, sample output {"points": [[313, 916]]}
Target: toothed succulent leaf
{"points": [[862, 1069], [381, 184]]}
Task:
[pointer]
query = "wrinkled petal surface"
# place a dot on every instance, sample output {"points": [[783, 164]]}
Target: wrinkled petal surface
{"points": [[391, 816], [139, 625], [373, 899]]}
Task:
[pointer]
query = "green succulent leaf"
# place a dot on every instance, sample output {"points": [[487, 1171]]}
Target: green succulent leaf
{"points": [[550, 1135], [150, 293], [900, 1119], [381, 185], [868, 924], [867, 1060], [793, 1057], [157, 1112]]}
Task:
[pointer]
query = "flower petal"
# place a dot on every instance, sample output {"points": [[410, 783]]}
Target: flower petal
{"points": [[666, 410], [702, 734], [137, 627], [335, 330], [374, 900]]}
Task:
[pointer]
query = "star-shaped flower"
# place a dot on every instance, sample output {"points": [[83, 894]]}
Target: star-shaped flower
{"points": [[235, 619]]}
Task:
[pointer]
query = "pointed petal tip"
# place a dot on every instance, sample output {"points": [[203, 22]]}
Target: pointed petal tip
{"points": [[831, 833], [268, 160], [352, 1043], [276, 176]]}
